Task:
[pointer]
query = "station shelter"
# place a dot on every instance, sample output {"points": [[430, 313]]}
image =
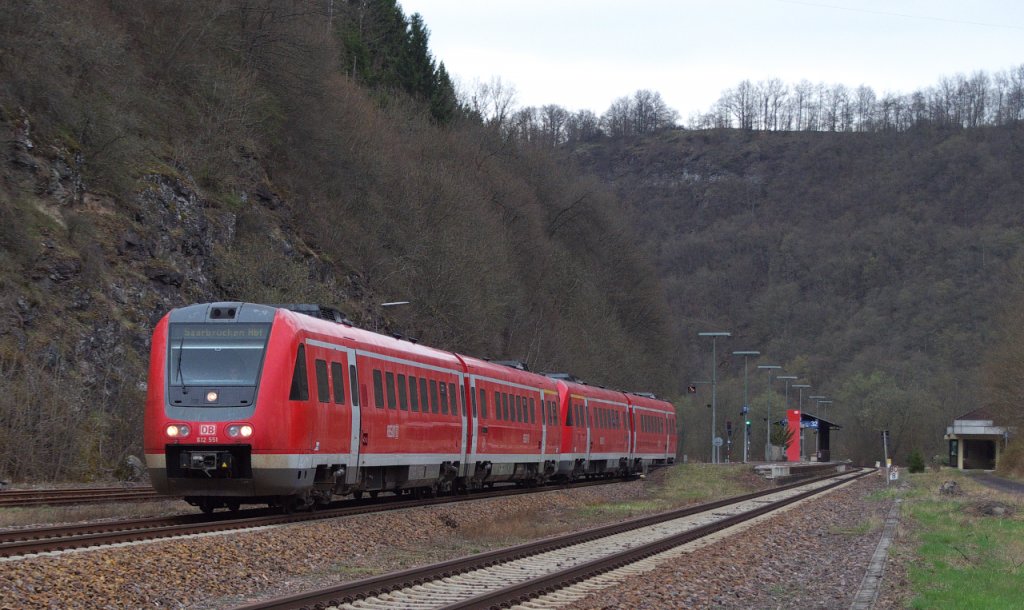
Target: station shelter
{"points": [[814, 441], [975, 442]]}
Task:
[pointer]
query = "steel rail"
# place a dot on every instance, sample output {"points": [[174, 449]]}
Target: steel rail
{"points": [[522, 592], [381, 584], [25, 541], [56, 497]]}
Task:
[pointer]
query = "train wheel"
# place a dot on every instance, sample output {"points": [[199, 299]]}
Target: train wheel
{"points": [[207, 505], [357, 494], [234, 505], [373, 494]]}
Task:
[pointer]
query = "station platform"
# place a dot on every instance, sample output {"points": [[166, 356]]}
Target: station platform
{"points": [[787, 472]]}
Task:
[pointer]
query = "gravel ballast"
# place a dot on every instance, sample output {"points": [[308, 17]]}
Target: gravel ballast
{"points": [[812, 556]]}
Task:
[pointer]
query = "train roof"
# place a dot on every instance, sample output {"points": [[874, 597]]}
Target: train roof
{"points": [[327, 322], [504, 370]]}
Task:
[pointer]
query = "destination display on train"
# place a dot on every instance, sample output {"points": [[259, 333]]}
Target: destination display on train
{"points": [[244, 332]]}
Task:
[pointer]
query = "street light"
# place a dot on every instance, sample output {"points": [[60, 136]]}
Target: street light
{"points": [[823, 407], [746, 403], [817, 431], [768, 432], [800, 406], [788, 378], [391, 304], [714, 387]]}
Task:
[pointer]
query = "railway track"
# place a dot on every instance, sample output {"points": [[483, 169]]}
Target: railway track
{"points": [[27, 541], [84, 495], [504, 578]]}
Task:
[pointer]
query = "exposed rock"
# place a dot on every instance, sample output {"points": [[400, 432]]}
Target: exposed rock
{"points": [[951, 488], [166, 276], [995, 509]]}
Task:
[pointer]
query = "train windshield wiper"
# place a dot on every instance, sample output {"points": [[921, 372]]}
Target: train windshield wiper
{"points": [[181, 354]]}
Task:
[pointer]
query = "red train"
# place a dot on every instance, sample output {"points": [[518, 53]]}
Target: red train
{"points": [[290, 405]]}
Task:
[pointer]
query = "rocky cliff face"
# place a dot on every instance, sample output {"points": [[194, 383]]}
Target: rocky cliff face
{"points": [[86, 276]]}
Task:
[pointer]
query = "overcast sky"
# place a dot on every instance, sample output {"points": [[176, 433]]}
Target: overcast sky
{"points": [[583, 54]]}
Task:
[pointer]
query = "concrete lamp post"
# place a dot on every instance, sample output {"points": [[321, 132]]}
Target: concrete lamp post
{"points": [[745, 412], [714, 387], [768, 432]]}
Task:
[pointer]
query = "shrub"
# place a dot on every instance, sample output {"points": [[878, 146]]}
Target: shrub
{"points": [[916, 462]]}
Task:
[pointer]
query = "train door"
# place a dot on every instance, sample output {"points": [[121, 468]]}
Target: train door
{"points": [[474, 414], [466, 417], [336, 419], [321, 399], [543, 413], [588, 423], [356, 431]]}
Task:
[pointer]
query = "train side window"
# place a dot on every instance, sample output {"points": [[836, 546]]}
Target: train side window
{"points": [[497, 405], [300, 384], [423, 395], [378, 389], [338, 379], [472, 396], [519, 408], [483, 404], [504, 407], [403, 402], [414, 398], [353, 383], [455, 396], [323, 390], [444, 399], [568, 416], [390, 379], [433, 396], [533, 414]]}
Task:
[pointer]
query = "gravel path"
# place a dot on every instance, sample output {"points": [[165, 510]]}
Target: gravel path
{"points": [[817, 556]]}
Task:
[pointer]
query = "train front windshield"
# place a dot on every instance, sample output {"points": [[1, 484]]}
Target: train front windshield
{"points": [[216, 354]]}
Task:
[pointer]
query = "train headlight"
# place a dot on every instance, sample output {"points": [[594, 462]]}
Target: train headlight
{"points": [[212, 396], [239, 430], [178, 430]]}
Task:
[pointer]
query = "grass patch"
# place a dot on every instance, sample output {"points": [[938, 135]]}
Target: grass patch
{"points": [[962, 558], [681, 485]]}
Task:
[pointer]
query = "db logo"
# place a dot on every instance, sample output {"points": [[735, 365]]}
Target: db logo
{"points": [[207, 429]]}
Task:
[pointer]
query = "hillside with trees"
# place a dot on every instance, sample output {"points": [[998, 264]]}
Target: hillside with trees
{"points": [[163, 153], [872, 265]]}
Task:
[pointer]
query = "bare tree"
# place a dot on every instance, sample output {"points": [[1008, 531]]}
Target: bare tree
{"points": [[616, 121], [493, 101], [553, 123], [582, 126]]}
